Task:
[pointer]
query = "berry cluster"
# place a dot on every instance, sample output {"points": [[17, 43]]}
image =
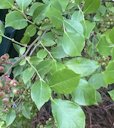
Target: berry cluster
{"points": [[3, 60], [103, 61], [107, 23], [8, 86]]}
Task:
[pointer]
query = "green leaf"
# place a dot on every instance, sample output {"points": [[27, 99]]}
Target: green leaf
{"points": [[88, 26], [82, 66], [42, 54], [27, 74], [34, 60], [77, 16], [73, 26], [97, 17], [56, 4], [33, 8], [25, 39], [0, 39], [68, 114], [111, 9], [111, 35], [56, 66], [6, 4], [63, 4], [64, 81], [44, 67], [111, 93], [48, 39], [40, 13], [23, 4], [55, 17], [112, 53], [78, 1], [1, 124], [17, 47], [60, 5], [30, 31], [72, 44], [46, 1], [104, 46], [40, 93], [108, 74], [91, 6], [26, 111], [10, 117], [97, 81], [58, 52], [84, 94], [2, 29], [102, 9], [22, 50], [16, 20], [17, 71], [23, 62]]}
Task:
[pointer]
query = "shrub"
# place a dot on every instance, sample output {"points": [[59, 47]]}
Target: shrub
{"points": [[65, 55]]}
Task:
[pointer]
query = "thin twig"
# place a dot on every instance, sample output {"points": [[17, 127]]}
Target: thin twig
{"points": [[32, 51], [14, 41], [35, 47], [34, 69], [25, 54], [47, 51]]}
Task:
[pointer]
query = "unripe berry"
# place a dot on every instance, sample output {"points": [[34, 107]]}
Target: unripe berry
{"points": [[1, 69], [41, 126], [50, 119], [15, 91], [111, 23], [5, 100], [46, 20], [13, 83], [110, 19], [39, 32], [2, 94], [108, 23], [6, 88], [107, 26], [103, 64]]}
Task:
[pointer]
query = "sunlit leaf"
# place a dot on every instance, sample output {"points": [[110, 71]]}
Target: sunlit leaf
{"points": [[68, 114], [40, 93], [64, 81], [16, 20], [82, 66]]}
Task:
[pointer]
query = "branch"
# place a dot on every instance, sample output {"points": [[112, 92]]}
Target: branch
{"points": [[25, 54], [35, 47], [34, 69], [47, 51], [14, 41]]}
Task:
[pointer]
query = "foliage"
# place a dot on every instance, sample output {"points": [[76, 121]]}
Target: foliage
{"points": [[65, 55]]}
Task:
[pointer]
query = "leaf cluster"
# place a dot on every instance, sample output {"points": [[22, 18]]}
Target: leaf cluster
{"points": [[64, 57]]}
